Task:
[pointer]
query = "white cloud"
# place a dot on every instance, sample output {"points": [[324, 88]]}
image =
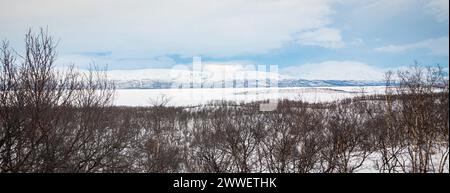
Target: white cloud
{"points": [[334, 70], [85, 61], [439, 9], [322, 37], [357, 42], [159, 27], [437, 46]]}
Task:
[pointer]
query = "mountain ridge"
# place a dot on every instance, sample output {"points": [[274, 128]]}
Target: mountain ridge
{"points": [[284, 83]]}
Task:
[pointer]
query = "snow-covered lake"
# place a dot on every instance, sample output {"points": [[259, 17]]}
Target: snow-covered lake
{"points": [[190, 97]]}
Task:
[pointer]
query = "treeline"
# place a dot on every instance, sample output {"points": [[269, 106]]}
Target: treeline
{"points": [[64, 121]]}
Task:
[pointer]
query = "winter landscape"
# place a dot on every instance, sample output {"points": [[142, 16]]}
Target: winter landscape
{"points": [[239, 86]]}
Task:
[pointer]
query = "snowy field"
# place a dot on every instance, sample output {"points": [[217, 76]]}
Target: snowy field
{"points": [[191, 97]]}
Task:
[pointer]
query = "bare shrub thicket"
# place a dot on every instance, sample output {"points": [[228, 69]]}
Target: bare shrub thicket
{"points": [[51, 121], [415, 124], [64, 121]]}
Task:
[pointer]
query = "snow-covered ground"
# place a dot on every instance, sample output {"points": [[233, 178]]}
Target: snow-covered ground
{"points": [[190, 97]]}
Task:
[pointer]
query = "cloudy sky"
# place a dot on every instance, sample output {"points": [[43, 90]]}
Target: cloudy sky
{"points": [[315, 38]]}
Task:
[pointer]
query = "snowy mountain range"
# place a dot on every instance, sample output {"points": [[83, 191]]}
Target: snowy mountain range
{"points": [[165, 79], [158, 84]]}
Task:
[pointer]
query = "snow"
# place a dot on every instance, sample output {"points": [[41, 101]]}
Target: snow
{"points": [[336, 70], [182, 74], [192, 97]]}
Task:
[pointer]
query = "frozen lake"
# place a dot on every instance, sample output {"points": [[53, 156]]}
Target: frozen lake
{"points": [[190, 97]]}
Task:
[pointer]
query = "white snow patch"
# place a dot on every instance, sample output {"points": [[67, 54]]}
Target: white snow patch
{"points": [[192, 97]]}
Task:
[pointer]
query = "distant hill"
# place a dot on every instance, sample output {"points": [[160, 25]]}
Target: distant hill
{"points": [[164, 84]]}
